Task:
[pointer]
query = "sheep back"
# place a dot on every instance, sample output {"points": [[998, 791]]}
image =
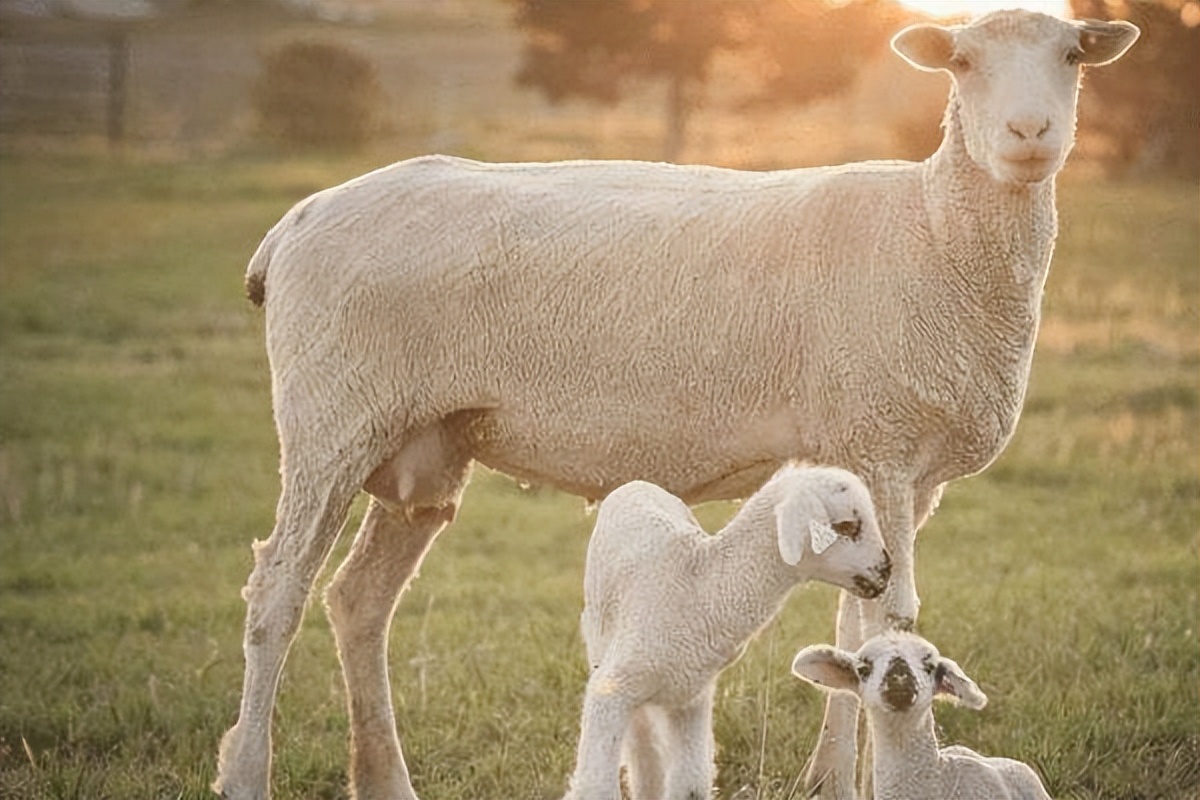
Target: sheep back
{"points": [[592, 322]]}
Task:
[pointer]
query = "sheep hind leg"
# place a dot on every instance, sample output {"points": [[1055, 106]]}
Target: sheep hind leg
{"points": [[693, 749], [309, 519], [831, 771], [392, 541]]}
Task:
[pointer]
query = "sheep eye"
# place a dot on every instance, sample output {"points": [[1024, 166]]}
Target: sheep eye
{"points": [[1074, 55], [960, 62], [864, 670], [849, 528]]}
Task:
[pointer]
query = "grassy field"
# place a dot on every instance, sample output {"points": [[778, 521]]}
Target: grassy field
{"points": [[137, 463]]}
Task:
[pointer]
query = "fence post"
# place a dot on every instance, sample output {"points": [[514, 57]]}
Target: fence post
{"points": [[118, 67]]}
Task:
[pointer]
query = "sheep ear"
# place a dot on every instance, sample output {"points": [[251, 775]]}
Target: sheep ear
{"points": [[789, 532], [926, 46], [821, 535], [1104, 42], [828, 667], [953, 683]]}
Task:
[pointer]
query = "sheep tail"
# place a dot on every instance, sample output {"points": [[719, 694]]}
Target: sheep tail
{"points": [[256, 271]]}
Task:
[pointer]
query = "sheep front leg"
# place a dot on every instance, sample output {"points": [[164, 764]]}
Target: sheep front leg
{"points": [[831, 774], [831, 771], [606, 713]]}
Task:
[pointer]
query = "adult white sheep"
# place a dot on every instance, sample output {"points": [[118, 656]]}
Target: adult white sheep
{"points": [[585, 324], [667, 607], [897, 676]]}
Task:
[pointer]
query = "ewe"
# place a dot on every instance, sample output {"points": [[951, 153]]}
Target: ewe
{"points": [[586, 324], [897, 676], [667, 607]]}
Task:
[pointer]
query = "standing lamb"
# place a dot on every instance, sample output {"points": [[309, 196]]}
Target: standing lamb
{"points": [[896, 676], [667, 607], [585, 324]]}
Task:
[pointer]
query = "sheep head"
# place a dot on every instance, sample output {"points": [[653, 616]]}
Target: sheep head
{"points": [[893, 673], [824, 518], [1016, 83]]}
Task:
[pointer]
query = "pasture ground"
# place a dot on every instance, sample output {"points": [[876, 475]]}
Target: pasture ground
{"points": [[138, 461]]}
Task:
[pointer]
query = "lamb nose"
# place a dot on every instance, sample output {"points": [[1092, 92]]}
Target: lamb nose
{"points": [[899, 685]]}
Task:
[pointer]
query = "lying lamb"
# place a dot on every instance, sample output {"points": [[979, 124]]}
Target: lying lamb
{"points": [[896, 677], [667, 607]]}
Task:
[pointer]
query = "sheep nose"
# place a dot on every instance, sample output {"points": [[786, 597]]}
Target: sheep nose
{"points": [[1029, 128], [899, 685]]}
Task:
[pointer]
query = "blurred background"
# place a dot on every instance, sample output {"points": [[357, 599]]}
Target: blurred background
{"points": [[732, 82]]}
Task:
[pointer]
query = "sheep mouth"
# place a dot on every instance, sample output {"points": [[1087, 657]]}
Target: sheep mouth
{"points": [[867, 588], [871, 585], [899, 697], [1030, 167]]}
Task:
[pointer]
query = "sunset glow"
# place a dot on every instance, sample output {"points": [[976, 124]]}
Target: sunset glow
{"points": [[958, 8]]}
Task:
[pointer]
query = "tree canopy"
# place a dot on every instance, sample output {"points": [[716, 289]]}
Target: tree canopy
{"points": [[594, 49], [1143, 113]]}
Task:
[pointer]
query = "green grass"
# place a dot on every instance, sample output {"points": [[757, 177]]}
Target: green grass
{"points": [[138, 462]]}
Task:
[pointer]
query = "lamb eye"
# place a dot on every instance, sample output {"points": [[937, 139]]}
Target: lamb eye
{"points": [[1073, 56], [960, 62], [864, 670], [849, 528]]}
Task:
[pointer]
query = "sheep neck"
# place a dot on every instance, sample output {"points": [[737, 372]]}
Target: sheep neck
{"points": [[748, 573], [993, 242], [906, 755], [991, 231]]}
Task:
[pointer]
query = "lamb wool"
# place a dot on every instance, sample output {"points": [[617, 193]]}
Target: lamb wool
{"points": [[897, 677], [667, 607]]}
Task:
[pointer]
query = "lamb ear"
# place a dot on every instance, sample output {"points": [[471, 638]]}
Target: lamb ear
{"points": [[1104, 42], [820, 536], [953, 683], [926, 46], [827, 666], [789, 532]]}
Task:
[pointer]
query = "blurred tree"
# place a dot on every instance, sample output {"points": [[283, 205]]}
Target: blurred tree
{"points": [[1147, 108], [811, 51], [798, 51], [594, 49], [318, 94]]}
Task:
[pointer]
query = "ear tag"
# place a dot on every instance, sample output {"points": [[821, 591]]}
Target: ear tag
{"points": [[821, 535]]}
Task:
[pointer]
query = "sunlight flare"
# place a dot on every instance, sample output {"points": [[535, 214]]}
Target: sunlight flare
{"points": [[974, 8]]}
